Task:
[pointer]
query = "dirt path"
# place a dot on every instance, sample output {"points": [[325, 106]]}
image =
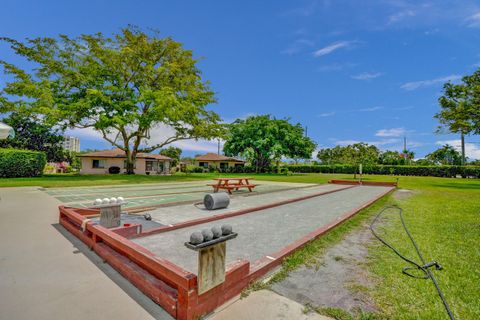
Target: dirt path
{"points": [[337, 279]]}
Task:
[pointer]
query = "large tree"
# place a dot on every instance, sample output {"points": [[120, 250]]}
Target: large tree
{"points": [[446, 155], [33, 134], [265, 139], [354, 154], [460, 108], [172, 152], [122, 86], [391, 158]]}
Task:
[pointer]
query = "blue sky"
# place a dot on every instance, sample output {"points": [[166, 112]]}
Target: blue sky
{"points": [[348, 70]]}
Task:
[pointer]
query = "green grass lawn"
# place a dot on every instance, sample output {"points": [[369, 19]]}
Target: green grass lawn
{"points": [[443, 215], [72, 180]]}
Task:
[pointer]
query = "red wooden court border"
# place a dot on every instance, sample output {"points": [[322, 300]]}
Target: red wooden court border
{"points": [[167, 284], [364, 183]]}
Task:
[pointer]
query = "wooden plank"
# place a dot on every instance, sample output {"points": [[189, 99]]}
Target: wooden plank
{"points": [[211, 267], [110, 216]]}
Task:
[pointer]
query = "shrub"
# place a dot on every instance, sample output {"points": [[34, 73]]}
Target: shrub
{"points": [[190, 168], [434, 171], [21, 163], [114, 170]]}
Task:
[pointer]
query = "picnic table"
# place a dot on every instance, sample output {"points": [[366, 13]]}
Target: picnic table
{"points": [[230, 184]]}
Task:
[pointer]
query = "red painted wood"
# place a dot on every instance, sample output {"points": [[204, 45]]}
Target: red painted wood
{"points": [[150, 285], [128, 232], [164, 269], [170, 285], [364, 183]]}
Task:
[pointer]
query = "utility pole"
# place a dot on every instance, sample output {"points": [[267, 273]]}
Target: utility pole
{"points": [[463, 148], [218, 147], [306, 131]]}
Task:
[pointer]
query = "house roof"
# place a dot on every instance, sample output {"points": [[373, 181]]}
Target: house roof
{"points": [[216, 157], [119, 153]]}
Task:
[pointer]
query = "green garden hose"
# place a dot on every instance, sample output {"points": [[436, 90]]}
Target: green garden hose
{"points": [[424, 267]]}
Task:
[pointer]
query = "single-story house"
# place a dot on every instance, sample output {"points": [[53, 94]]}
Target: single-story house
{"points": [[100, 161], [218, 161]]}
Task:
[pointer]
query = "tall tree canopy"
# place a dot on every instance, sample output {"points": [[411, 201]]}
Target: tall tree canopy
{"points": [[32, 134], [354, 154], [172, 152], [265, 139], [446, 155], [122, 86], [460, 108], [391, 158]]}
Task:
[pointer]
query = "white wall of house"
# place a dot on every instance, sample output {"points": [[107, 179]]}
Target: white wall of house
{"points": [[105, 163]]}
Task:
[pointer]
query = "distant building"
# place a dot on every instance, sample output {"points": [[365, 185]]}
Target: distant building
{"points": [[71, 143], [218, 161], [99, 162]]}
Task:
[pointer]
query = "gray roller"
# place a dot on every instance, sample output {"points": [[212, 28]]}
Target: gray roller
{"points": [[213, 201]]}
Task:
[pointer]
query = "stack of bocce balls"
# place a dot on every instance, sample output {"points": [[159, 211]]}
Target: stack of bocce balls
{"points": [[104, 201], [209, 234]]}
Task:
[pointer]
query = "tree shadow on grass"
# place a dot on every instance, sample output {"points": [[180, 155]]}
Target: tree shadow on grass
{"points": [[146, 303]]}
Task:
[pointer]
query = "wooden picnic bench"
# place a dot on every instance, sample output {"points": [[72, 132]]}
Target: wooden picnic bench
{"points": [[230, 184]]}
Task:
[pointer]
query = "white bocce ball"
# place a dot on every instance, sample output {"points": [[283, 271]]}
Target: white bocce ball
{"points": [[120, 200], [106, 201], [97, 202], [113, 200]]}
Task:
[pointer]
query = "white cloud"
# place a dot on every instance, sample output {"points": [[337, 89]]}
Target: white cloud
{"points": [[426, 83], [472, 151], [371, 109], [474, 20], [87, 133], [297, 46], [402, 15], [157, 135], [333, 47], [327, 114], [393, 132], [199, 146], [367, 75]]}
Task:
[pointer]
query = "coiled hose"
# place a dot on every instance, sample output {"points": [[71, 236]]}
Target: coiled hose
{"points": [[424, 267]]}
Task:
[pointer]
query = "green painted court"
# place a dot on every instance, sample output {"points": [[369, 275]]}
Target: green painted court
{"points": [[141, 195]]}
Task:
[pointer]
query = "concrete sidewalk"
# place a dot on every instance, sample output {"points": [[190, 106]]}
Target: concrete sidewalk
{"points": [[265, 304], [46, 273]]}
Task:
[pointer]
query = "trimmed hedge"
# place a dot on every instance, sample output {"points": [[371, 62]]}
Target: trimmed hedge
{"points": [[433, 171], [16, 163]]}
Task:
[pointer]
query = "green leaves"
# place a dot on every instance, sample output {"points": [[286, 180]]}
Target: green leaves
{"points": [[263, 139], [21, 163], [33, 134], [355, 154], [446, 155], [129, 80], [460, 106]]}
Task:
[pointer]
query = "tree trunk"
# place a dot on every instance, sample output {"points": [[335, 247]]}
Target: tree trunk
{"points": [[130, 162], [462, 137]]}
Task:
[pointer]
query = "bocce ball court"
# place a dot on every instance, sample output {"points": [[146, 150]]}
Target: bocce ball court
{"points": [[152, 194], [156, 257]]}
